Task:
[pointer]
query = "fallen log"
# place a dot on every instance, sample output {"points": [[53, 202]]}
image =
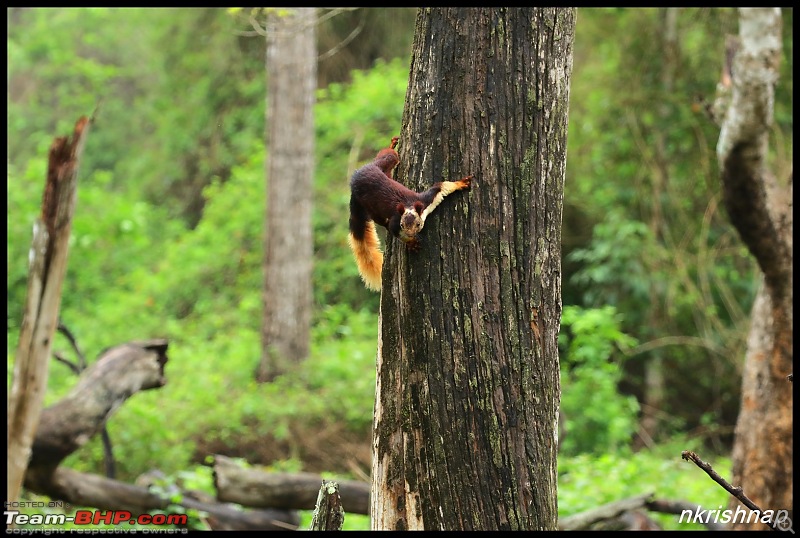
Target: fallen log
{"points": [[586, 519], [83, 489], [261, 489], [629, 514], [118, 374]]}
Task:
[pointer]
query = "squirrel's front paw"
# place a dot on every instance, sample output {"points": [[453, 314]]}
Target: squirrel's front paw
{"points": [[466, 182]]}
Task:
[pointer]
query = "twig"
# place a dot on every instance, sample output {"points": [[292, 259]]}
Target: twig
{"points": [[69, 364], [108, 454], [108, 448], [736, 491], [63, 329], [343, 43]]}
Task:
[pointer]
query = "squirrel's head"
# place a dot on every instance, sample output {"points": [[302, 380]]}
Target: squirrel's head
{"points": [[410, 221]]}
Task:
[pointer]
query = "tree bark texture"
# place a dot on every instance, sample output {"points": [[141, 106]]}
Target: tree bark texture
{"points": [[760, 208], [291, 83], [48, 268], [328, 514], [466, 414]]}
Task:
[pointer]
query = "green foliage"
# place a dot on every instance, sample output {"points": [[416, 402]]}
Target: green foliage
{"points": [[587, 481], [619, 247], [166, 127], [598, 419], [24, 195], [138, 272], [642, 175]]}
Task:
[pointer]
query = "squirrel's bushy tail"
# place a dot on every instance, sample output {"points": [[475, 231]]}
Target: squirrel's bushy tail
{"points": [[368, 255]]}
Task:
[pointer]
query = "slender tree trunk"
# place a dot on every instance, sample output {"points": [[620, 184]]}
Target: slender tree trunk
{"points": [[291, 83], [759, 207], [654, 381], [468, 378]]}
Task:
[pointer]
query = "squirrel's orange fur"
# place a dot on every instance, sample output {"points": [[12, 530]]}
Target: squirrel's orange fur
{"points": [[369, 257]]}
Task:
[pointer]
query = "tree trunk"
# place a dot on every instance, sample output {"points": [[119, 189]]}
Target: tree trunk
{"points": [[466, 411], [47, 270], [655, 390], [291, 79], [760, 209]]}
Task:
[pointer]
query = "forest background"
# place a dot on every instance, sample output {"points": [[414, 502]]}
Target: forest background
{"points": [[168, 238]]}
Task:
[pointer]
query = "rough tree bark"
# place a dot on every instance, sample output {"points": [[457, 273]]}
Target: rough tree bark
{"points": [[465, 432], [760, 208], [292, 81], [47, 270], [329, 513]]}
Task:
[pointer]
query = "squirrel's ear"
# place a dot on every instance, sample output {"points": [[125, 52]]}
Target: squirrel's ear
{"points": [[400, 208], [419, 207]]}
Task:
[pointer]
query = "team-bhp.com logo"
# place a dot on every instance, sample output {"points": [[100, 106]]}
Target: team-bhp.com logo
{"points": [[95, 517]]}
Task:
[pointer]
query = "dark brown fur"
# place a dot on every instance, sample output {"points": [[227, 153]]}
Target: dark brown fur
{"points": [[376, 196]]}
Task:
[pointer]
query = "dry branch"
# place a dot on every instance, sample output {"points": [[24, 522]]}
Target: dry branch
{"points": [[736, 491], [119, 373], [47, 269], [261, 489]]}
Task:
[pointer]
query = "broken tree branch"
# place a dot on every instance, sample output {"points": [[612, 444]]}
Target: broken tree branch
{"points": [[329, 514], [48, 265]]}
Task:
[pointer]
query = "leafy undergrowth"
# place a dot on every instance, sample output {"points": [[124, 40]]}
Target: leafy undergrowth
{"points": [[588, 481]]}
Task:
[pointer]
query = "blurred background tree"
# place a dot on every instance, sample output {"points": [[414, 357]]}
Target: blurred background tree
{"points": [[291, 61]]}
